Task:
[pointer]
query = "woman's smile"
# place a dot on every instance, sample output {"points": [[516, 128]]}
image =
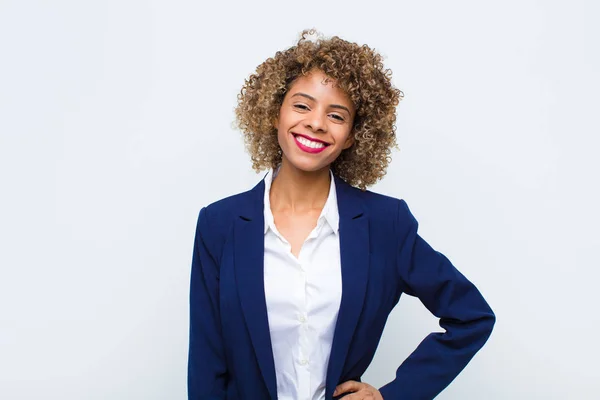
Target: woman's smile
{"points": [[309, 145]]}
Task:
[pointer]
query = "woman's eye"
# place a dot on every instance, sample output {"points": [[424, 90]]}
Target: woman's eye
{"points": [[301, 106], [338, 117]]}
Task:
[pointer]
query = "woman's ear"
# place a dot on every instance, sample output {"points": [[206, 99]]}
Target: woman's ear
{"points": [[275, 122], [349, 141]]}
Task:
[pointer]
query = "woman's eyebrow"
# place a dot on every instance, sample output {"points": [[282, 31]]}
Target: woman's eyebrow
{"points": [[313, 99]]}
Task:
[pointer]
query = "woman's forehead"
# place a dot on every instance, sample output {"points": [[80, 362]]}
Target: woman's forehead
{"points": [[319, 85]]}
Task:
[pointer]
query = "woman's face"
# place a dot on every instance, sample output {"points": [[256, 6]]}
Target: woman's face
{"points": [[315, 121]]}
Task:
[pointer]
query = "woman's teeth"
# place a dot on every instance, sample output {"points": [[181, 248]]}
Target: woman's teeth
{"points": [[309, 143]]}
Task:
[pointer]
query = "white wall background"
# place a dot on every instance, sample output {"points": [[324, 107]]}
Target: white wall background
{"points": [[115, 128]]}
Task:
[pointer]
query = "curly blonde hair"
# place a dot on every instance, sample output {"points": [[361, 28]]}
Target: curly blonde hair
{"points": [[358, 70]]}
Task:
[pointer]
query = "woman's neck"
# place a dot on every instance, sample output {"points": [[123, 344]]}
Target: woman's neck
{"points": [[299, 191]]}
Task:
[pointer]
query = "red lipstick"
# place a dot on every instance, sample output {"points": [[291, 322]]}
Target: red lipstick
{"points": [[308, 149]]}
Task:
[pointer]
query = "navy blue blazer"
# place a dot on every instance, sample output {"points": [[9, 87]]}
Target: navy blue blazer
{"points": [[382, 256]]}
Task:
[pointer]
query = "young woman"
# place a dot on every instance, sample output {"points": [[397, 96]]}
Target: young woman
{"points": [[292, 281]]}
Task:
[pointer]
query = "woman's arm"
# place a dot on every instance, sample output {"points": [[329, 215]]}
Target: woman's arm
{"points": [[450, 296], [207, 369]]}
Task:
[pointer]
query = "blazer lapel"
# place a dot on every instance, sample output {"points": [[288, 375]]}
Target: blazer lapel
{"points": [[354, 252], [249, 247]]}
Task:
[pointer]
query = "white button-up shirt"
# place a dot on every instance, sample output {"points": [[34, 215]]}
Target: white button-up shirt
{"points": [[303, 298]]}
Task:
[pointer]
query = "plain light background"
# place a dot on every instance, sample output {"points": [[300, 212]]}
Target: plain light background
{"points": [[116, 128]]}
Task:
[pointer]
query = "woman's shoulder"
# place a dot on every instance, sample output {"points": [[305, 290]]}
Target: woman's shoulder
{"points": [[216, 219], [226, 209], [379, 202], [386, 209]]}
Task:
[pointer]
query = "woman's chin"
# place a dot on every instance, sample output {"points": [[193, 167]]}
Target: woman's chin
{"points": [[306, 165]]}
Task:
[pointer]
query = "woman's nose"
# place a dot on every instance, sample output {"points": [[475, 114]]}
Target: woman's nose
{"points": [[316, 121]]}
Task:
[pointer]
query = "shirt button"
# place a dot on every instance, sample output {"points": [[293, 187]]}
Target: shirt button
{"points": [[303, 362], [302, 318]]}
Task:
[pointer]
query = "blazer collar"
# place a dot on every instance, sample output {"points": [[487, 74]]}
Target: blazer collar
{"points": [[349, 199], [249, 270]]}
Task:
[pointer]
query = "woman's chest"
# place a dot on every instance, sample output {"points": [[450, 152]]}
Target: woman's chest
{"points": [[302, 295]]}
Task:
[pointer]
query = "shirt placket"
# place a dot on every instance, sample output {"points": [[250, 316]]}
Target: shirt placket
{"points": [[304, 340]]}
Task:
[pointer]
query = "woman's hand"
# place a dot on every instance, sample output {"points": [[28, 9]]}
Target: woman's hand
{"points": [[360, 390]]}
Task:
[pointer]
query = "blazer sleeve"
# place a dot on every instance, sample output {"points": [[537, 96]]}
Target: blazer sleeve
{"points": [[466, 317], [207, 368]]}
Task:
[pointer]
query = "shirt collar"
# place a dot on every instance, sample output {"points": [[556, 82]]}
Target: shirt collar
{"points": [[330, 212]]}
